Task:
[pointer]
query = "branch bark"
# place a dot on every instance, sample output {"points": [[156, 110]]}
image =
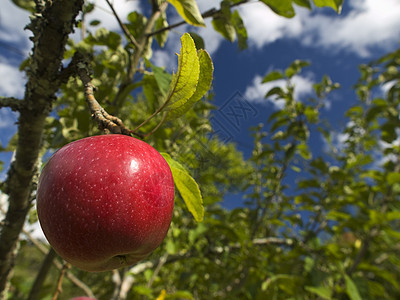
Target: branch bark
{"points": [[140, 47], [76, 281], [104, 120], [41, 276], [11, 102], [51, 27]]}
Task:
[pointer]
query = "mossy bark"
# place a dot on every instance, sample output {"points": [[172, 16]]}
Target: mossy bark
{"points": [[50, 26]]}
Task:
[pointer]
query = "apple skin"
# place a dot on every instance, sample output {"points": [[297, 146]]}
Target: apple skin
{"points": [[105, 202]]}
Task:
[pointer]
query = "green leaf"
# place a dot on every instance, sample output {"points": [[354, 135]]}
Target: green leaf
{"points": [[392, 178], [198, 40], [184, 82], [335, 4], [26, 4], [107, 38], [272, 76], [189, 11], [351, 288], [94, 22], [283, 8], [179, 108], [240, 30], [161, 37], [222, 22], [321, 291], [278, 91], [187, 187], [226, 29], [162, 78], [295, 67], [393, 215], [180, 295], [303, 3]]}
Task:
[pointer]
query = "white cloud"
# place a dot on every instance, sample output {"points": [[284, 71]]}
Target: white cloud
{"points": [[264, 27], [162, 58], [7, 119], [12, 23], [369, 24], [12, 80], [103, 13], [257, 90], [167, 58], [212, 39]]}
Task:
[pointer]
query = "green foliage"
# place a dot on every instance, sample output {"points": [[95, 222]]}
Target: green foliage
{"points": [[283, 8], [307, 226], [192, 80], [189, 11], [335, 4], [230, 25], [187, 187]]}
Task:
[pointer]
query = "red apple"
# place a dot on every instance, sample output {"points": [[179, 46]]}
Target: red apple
{"points": [[105, 202]]}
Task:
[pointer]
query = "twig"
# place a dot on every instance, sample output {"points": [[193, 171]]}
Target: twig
{"points": [[130, 37], [158, 126], [11, 102], [59, 281], [59, 266], [104, 120], [161, 262], [363, 250], [141, 44]]}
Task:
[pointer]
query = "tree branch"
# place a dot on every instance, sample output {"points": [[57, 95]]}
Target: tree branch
{"points": [[140, 47], [11, 102], [41, 276], [51, 27], [104, 120], [58, 289], [59, 266]]}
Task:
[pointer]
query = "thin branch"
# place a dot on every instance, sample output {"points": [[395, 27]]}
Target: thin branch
{"points": [[363, 250], [57, 264], [11, 102], [77, 282], [104, 120], [42, 274], [157, 270], [141, 45], [59, 281], [158, 126], [130, 37]]}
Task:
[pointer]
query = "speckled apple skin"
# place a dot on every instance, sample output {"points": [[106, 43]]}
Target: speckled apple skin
{"points": [[105, 202]]}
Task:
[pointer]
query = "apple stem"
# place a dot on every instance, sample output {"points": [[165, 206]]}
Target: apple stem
{"points": [[122, 259], [104, 120]]}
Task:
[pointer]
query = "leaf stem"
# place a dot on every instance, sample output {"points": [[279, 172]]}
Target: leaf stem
{"points": [[154, 114]]}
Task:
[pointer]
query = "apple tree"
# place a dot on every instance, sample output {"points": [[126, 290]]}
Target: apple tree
{"points": [[330, 234]]}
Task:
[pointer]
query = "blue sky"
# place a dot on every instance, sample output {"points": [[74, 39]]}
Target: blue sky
{"points": [[334, 44]]}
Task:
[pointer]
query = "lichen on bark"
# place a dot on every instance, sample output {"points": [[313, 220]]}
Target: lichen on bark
{"points": [[51, 26]]}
